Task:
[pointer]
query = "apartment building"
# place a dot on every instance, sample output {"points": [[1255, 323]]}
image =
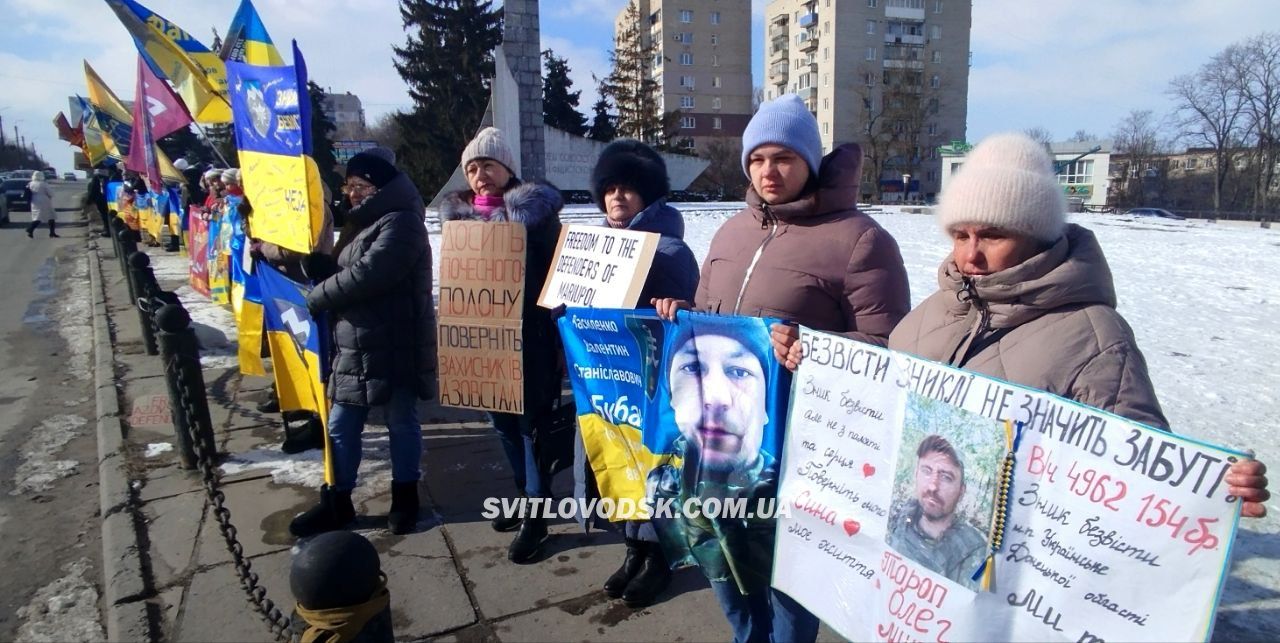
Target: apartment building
{"points": [[892, 75], [702, 63], [347, 114]]}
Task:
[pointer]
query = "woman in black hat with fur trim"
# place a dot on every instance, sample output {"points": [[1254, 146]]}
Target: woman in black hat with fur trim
{"points": [[630, 186]]}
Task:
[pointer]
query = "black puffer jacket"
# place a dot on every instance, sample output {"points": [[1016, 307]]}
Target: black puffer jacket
{"points": [[675, 270], [536, 205], [381, 310]]}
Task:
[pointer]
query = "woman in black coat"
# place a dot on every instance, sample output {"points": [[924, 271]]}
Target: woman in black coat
{"points": [[382, 317], [497, 195]]}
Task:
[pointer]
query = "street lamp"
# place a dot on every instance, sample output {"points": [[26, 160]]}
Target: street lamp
{"points": [[906, 186]]}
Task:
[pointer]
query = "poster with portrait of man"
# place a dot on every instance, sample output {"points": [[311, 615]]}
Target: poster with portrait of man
{"points": [[684, 421]]}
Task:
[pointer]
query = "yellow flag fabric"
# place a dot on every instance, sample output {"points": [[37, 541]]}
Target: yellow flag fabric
{"points": [[115, 123], [249, 334], [281, 212]]}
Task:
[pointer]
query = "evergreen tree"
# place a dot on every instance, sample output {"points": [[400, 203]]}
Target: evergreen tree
{"points": [[631, 87], [447, 62], [559, 105], [602, 127], [322, 129]]}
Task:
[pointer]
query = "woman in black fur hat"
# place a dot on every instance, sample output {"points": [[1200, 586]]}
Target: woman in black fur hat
{"points": [[630, 186]]}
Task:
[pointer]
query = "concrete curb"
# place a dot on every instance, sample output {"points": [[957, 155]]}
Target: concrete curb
{"points": [[122, 572]]}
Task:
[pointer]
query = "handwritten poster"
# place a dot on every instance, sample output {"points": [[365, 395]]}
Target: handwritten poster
{"points": [[198, 258], [481, 311], [894, 470], [599, 267]]}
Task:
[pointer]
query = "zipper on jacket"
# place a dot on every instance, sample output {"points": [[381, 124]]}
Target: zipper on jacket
{"points": [[770, 222], [969, 294]]}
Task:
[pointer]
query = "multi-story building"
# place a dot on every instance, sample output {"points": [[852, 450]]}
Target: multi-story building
{"points": [[702, 63], [892, 75], [347, 114], [1084, 169]]}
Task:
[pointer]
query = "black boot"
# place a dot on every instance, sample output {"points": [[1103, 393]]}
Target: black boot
{"points": [[301, 434], [31, 229], [334, 511], [654, 576], [528, 541], [403, 516], [504, 523], [52, 234], [271, 404], [618, 581]]}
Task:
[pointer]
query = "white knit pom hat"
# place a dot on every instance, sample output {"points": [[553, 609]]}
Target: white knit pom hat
{"points": [[1006, 182], [490, 143]]}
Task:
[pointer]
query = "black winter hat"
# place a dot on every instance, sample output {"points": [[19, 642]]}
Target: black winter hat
{"points": [[372, 168], [631, 163]]}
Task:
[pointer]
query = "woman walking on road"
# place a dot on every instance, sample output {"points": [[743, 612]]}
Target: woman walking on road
{"points": [[496, 194], [41, 205]]}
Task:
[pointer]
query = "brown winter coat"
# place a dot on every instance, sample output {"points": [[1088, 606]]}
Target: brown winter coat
{"points": [[1049, 323], [821, 263]]}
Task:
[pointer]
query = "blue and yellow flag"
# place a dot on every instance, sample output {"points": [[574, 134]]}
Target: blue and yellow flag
{"points": [[247, 39], [246, 297], [197, 73], [297, 342], [273, 138], [112, 124]]}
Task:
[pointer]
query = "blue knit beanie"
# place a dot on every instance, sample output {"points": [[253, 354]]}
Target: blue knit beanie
{"points": [[787, 122]]}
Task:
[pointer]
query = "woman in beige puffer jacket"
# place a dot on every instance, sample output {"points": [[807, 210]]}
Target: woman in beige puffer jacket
{"points": [[1027, 298]]}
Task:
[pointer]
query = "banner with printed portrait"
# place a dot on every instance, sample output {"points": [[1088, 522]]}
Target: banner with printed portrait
{"points": [[682, 423], [929, 503], [198, 253]]}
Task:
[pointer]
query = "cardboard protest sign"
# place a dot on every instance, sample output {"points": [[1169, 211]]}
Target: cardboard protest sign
{"points": [[599, 267], [482, 277], [682, 423], [198, 257], [928, 503]]}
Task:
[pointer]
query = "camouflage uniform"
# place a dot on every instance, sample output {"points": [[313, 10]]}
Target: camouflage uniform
{"points": [[956, 554]]}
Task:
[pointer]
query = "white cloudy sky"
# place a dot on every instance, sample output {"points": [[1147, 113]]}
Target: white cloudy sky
{"points": [[1059, 64]]}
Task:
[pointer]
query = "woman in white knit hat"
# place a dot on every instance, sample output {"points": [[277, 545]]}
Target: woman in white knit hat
{"points": [[1026, 297], [496, 194]]}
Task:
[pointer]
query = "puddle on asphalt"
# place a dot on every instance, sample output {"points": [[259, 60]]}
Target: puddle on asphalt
{"points": [[38, 310]]}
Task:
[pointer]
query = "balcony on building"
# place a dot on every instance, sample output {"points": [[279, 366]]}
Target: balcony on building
{"points": [[778, 71], [808, 20], [904, 9], [778, 51], [904, 39], [808, 40], [808, 93], [778, 27]]}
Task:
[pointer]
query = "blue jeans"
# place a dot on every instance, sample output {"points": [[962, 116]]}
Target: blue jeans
{"points": [[346, 424], [765, 617], [516, 433]]}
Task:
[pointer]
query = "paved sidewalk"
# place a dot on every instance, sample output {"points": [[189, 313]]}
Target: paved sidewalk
{"points": [[450, 580]]}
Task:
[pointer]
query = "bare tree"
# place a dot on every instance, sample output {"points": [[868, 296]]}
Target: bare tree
{"points": [[897, 110], [1082, 136], [1209, 109], [386, 131], [1040, 134], [1256, 69], [724, 173], [1137, 139]]}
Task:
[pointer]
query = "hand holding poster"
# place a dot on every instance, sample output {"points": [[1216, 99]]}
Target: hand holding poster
{"points": [[481, 311], [894, 469], [599, 267]]}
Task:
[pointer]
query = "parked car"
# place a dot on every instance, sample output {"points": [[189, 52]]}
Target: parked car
{"points": [[50, 173], [1154, 212], [25, 175], [68, 176], [15, 196]]}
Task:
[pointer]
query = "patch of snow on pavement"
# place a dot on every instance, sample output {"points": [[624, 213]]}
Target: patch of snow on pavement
{"points": [[40, 468], [64, 610], [215, 328], [74, 313], [307, 468], [156, 448]]}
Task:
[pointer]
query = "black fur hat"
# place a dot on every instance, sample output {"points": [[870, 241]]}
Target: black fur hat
{"points": [[632, 163]]}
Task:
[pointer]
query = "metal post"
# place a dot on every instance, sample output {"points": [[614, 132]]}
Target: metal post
{"points": [[340, 569], [187, 397], [144, 290]]}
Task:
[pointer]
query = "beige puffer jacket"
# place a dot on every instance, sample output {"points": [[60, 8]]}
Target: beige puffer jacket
{"points": [[816, 261], [1049, 323]]}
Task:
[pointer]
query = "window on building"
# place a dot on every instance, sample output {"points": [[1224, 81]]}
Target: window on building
{"points": [[686, 16], [935, 82], [1077, 173], [715, 39], [657, 60], [935, 32], [826, 27], [716, 123], [686, 102], [869, 78], [688, 122], [826, 128], [933, 129], [715, 60], [936, 56], [715, 81], [826, 103], [871, 53], [684, 37], [686, 81], [715, 17], [1191, 163], [937, 6], [686, 58], [715, 103], [931, 175], [826, 53], [655, 17], [871, 26], [872, 3]]}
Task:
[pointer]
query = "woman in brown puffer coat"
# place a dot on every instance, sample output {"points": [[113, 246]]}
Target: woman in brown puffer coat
{"points": [[1028, 298]]}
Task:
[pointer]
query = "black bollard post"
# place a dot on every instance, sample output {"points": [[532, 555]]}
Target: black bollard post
{"points": [[340, 571], [128, 245], [144, 291], [185, 379], [117, 226]]}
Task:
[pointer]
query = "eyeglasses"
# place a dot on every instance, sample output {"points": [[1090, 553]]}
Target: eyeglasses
{"points": [[348, 188]]}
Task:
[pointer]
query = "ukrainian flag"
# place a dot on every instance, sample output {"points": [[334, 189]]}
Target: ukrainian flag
{"points": [[197, 73], [247, 39], [246, 297], [297, 347], [109, 120]]}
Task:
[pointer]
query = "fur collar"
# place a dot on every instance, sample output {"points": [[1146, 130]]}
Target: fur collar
{"points": [[533, 203]]}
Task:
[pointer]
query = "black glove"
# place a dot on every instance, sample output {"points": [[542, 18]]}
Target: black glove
{"points": [[318, 266]]}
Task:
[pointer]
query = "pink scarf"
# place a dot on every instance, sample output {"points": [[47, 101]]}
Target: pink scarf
{"points": [[485, 205]]}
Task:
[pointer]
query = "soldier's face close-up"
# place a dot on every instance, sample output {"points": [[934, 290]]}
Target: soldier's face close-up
{"points": [[938, 485], [718, 394]]}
